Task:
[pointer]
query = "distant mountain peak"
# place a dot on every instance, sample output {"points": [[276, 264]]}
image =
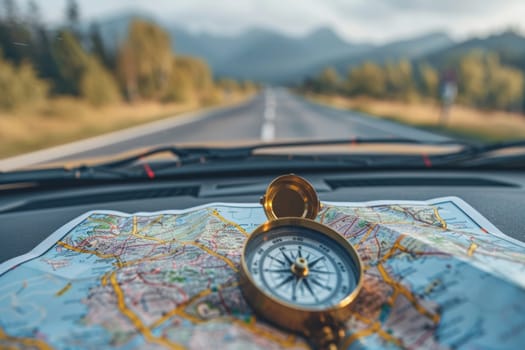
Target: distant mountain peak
{"points": [[260, 32], [511, 33], [325, 34], [508, 44], [435, 36], [438, 34]]}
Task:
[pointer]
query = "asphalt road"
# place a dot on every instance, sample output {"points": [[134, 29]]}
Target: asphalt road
{"points": [[275, 114]]}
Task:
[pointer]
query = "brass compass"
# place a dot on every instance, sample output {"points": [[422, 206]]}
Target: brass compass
{"points": [[298, 273]]}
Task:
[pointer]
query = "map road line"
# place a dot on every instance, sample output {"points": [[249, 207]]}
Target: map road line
{"points": [[29, 342], [137, 322]]}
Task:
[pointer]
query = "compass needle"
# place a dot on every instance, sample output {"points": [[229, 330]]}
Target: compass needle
{"points": [[277, 270], [321, 271], [278, 260], [307, 285], [294, 288], [290, 261], [285, 281], [316, 282], [316, 261]]}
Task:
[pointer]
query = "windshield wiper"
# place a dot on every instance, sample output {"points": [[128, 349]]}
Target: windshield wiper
{"points": [[496, 155], [191, 155], [250, 158]]}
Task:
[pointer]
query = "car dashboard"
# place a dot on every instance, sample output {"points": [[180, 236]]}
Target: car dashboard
{"points": [[28, 216]]}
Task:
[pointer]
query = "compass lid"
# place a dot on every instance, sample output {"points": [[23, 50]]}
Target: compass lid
{"points": [[290, 196]]}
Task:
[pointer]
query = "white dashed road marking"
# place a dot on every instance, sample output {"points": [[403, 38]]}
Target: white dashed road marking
{"points": [[268, 126]]}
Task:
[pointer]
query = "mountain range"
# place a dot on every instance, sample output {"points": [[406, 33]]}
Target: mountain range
{"points": [[509, 45], [271, 57]]}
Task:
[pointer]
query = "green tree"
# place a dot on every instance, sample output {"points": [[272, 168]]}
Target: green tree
{"points": [[399, 80], [44, 59], [82, 74], [24, 38], [367, 79], [191, 78], [329, 81], [15, 38], [472, 81], [249, 86], [145, 60], [127, 71], [485, 82], [98, 48], [228, 85], [429, 79], [20, 85], [97, 85], [181, 86], [505, 85], [71, 60]]}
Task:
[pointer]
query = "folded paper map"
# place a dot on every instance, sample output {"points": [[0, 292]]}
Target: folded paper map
{"points": [[438, 275]]}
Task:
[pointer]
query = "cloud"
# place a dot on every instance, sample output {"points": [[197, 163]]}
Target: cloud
{"points": [[468, 7], [364, 20], [387, 19]]}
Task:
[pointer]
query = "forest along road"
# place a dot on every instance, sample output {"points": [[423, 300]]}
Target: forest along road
{"points": [[273, 115]]}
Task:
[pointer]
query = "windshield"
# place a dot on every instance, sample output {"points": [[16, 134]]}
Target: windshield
{"points": [[91, 79]]}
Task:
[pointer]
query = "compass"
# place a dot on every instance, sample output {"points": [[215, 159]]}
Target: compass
{"points": [[296, 272]]}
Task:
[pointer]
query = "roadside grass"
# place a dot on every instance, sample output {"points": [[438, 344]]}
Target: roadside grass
{"points": [[463, 122], [63, 120]]}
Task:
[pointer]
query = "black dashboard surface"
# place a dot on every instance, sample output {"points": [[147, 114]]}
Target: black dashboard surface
{"points": [[27, 218]]}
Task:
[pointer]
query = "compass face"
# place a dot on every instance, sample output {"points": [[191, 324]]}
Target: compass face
{"points": [[301, 267]]}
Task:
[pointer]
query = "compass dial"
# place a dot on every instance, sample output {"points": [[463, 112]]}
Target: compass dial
{"points": [[301, 267]]}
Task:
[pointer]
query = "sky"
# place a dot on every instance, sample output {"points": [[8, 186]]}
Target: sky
{"points": [[357, 20]]}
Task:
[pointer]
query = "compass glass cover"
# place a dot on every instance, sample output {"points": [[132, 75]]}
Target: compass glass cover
{"points": [[301, 267]]}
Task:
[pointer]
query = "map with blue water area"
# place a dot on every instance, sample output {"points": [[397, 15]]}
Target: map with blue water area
{"points": [[437, 275]]}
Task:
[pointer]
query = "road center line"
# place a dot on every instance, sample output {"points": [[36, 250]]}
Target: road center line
{"points": [[268, 126], [269, 115], [268, 132]]}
